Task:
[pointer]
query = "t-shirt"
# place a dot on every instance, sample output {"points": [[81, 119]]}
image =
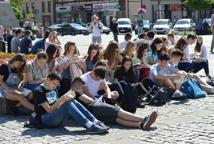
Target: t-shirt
{"points": [[42, 95], [4, 71], [92, 85], [122, 45], [154, 57], [15, 44], [37, 73], [96, 31], [204, 52], [40, 44], [89, 65], [127, 76], [25, 45], [186, 53], [157, 70]]}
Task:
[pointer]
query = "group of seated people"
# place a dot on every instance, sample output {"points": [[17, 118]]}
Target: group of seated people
{"points": [[63, 85]]}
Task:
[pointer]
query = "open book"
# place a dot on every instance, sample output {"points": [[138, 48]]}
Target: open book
{"points": [[23, 91]]}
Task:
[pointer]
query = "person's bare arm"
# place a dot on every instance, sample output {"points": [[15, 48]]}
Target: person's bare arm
{"points": [[107, 90]]}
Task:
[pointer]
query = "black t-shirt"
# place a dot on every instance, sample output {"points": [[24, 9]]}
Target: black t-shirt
{"points": [[121, 75], [4, 71], [42, 95]]}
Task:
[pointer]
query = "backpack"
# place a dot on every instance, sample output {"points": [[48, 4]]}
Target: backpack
{"points": [[192, 89], [129, 99], [156, 95]]}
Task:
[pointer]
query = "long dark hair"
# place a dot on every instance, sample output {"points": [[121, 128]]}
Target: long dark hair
{"points": [[67, 46], [181, 43], [20, 58], [51, 50], [157, 40], [124, 60], [198, 45], [140, 49], [96, 57]]}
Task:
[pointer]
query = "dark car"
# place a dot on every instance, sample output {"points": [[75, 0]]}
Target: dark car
{"points": [[73, 29], [55, 27]]}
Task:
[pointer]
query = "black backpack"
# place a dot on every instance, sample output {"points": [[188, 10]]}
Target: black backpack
{"points": [[156, 95], [129, 99]]}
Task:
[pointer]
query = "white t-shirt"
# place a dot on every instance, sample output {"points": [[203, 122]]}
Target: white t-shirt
{"points": [[96, 31], [186, 53], [122, 45], [204, 52], [92, 85]]}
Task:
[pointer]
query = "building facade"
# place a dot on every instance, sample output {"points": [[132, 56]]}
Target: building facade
{"points": [[83, 10], [172, 9], [40, 11]]}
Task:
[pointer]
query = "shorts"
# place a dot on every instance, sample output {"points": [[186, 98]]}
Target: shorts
{"points": [[96, 39], [104, 112]]}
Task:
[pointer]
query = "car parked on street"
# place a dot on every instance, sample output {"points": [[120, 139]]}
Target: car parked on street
{"points": [[162, 26], [105, 29], [73, 29], [55, 27], [184, 25], [124, 25], [146, 26]]}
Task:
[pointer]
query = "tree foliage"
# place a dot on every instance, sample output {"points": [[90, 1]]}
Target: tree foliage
{"points": [[18, 2], [16, 5], [198, 4]]}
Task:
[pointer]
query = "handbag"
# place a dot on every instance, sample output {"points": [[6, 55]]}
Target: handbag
{"points": [[192, 89]]}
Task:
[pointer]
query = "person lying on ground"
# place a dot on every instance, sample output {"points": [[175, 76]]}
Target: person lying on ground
{"points": [[109, 113]]}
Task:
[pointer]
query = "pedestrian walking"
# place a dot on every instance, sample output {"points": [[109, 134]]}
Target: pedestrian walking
{"points": [[96, 30], [115, 29]]}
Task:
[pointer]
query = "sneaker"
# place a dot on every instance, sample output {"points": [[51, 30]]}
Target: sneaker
{"points": [[178, 95], [95, 129], [102, 125], [148, 121]]}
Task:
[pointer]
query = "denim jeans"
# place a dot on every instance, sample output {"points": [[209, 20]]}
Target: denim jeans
{"points": [[71, 108], [194, 67]]}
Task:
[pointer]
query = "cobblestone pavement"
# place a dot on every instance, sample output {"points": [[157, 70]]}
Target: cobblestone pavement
{"points": [[189, 122]]}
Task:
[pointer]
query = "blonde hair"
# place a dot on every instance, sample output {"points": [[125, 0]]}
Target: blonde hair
{"points": [[128, 47]]}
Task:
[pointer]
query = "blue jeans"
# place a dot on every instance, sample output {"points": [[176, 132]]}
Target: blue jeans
{"points": [[194, 67], [70, 108]]}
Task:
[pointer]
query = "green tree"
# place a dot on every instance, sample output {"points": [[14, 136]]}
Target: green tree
{"points": [[18, 2], [16, 5], [198, 4]]}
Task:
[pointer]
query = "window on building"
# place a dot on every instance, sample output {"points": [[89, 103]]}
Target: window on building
{"points": [[49, 6], [43, 7]]}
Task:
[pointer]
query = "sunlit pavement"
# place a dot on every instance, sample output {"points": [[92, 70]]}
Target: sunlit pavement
{"points": [[178, 122]]}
